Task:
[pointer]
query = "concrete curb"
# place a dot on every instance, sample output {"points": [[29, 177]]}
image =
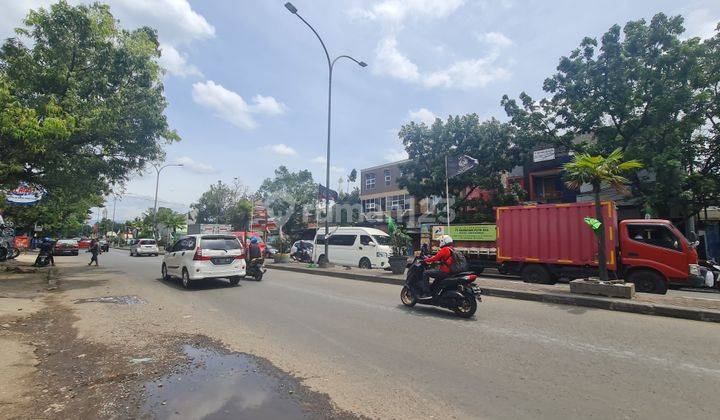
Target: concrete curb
{"points": [[705, 315]]}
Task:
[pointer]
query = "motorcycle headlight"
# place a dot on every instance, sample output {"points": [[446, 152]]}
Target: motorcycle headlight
{"points": [[694, 269]]}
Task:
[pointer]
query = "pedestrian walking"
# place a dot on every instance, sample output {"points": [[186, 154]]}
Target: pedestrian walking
{"points": [[95, 251]]}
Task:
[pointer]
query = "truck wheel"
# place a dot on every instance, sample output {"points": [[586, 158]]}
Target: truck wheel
{"points": [[322, 260], [535, 273], [647, 281]]}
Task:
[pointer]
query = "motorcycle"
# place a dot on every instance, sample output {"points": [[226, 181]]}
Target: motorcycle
{"points": [[302, 256], [456, 292], [7, 250], [713, 267], [256, 268], [43, 260]]}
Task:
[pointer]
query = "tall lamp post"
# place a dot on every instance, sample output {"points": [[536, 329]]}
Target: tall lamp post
{"points": [[159, 169], [331, 65]]}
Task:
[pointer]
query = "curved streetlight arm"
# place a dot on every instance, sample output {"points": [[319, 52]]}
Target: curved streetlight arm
{"points": [[359, 63], [327, 54]]}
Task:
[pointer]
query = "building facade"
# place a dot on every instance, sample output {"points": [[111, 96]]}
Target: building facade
{"points": [[380, 194]]}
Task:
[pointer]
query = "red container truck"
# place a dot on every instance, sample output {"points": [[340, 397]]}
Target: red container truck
{"points": [[542, 243]]}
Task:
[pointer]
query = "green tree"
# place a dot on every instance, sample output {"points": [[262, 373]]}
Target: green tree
{"points": [[647, 91], [81, 101], [223, 203], [493, 143], [287, 194], [598, 171], [239, 214]]}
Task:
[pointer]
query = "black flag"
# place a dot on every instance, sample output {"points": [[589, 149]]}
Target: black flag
{"points": [[459, 164]]}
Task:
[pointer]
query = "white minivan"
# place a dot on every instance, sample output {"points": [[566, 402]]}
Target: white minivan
{"points": [[353, 246]]}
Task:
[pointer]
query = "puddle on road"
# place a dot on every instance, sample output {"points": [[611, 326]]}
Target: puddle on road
{"points": [[122, 300], [224, 386]]}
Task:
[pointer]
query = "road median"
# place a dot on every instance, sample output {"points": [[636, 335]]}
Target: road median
{"points": [[686, 308]]}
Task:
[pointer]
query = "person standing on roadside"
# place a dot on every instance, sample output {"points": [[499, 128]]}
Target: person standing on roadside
{"points": [[95, 251]]}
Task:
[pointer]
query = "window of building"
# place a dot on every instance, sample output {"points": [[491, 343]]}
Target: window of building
{"points": [[387, 176], [342, 240], [655, 235], [370, 181], [370, 205], [399, 202]]}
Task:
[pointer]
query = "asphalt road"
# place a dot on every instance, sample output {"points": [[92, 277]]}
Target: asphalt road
{"points": [[515, 359]]}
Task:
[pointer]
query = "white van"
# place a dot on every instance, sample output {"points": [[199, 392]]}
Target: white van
{"points": [[353, 246]]}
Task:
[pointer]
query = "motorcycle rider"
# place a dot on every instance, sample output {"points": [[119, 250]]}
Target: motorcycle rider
{"points": [[254, 250], [46, 248], [444, 257]]}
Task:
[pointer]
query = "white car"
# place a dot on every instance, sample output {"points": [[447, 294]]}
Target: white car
{"points": [[197, 257], [144, 247], [353, 247]]}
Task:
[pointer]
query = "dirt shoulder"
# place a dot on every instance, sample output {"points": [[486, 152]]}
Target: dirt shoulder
{"points": [[71, 350]]}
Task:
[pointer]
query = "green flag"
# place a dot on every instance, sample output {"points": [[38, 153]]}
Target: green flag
{"points": [[391, 225], [593, 223]]}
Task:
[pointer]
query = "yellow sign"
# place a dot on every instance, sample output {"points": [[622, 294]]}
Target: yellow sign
{"points": [[480, 233]]}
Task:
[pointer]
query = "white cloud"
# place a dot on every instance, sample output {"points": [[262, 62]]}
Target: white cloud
{"points": [[496, 39], [268, 105], [701, 22], [319, 160], [197, 167], [390, 61], [280, 149], [396, 11], [231, 107], [394, 155], [468, 74], [462, 74], [175, 20], [176, 63], [423, 115]]}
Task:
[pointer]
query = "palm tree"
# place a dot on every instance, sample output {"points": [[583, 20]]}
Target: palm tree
{"points": [[598, 171]]}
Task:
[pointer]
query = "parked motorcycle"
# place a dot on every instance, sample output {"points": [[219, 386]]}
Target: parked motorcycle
{"points": [[256, 268], [713, 267], [456, 293], [7, 250], [302, 255]]}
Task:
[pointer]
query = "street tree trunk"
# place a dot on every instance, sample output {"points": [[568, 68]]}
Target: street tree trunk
{"points": [[602, 258]]}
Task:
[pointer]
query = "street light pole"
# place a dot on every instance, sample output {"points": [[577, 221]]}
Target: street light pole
{"points": [[331, 65], [157, 184]]}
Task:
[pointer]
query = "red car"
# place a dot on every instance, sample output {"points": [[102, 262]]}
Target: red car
{"points": [[84, 243], [66, 247]]}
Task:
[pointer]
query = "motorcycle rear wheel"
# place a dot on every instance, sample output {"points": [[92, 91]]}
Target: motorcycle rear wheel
{"points": [[407, 297], [468, 308]]}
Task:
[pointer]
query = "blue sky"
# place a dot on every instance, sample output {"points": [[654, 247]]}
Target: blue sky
{"points": [[247, 81]]}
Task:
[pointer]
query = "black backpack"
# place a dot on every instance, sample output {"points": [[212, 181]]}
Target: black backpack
{"points": [[459, 263]]}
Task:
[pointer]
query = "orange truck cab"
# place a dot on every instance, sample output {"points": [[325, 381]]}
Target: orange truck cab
{"points": [[654, 254]]}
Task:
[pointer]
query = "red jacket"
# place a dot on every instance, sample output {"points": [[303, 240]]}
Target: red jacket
{"points": [[444, 256]]}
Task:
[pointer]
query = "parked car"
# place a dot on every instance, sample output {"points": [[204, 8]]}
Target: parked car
{"points": [[197, 257], [144, 247], [84, 243], [66, 247], [354, 247]]}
